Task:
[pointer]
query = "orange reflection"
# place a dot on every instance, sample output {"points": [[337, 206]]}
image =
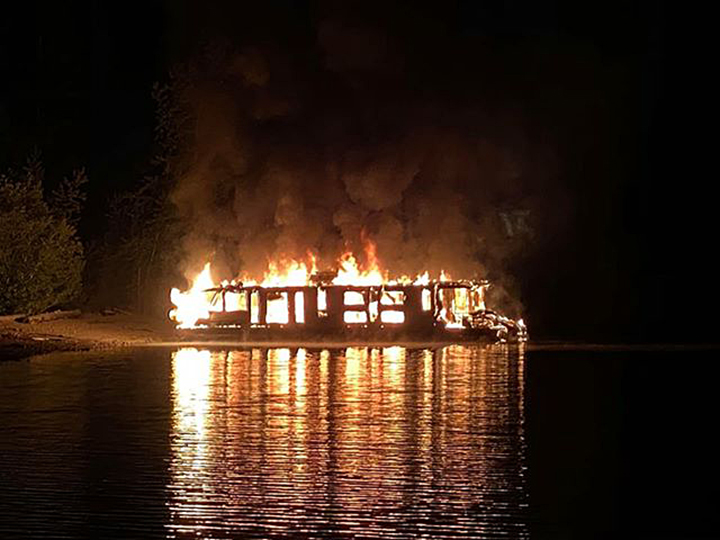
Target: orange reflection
{"points": [[394, 358], [269, 441], [354, 360], [191, 377], [300, 360], [191, 374], [278, 371]]}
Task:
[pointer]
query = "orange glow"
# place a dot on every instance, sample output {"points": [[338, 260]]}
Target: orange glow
{"points": [[278, 371], [300, 367], [191, 379], [354, 317], [423, 279], [235, 301], [393, 356], [353, 298], [277, 309], [426, 300], [197, 303], [299, 307], [349, 273], [461, 301], [256, 434], [392, 298], [288, 274], [394, 317], [373, 311], [255, 307]]}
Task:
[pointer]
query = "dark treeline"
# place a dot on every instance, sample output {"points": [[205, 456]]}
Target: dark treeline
{"points": [[44, 260]]}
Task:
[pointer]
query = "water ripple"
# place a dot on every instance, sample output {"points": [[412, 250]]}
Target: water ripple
{"points": [[265, 443]]}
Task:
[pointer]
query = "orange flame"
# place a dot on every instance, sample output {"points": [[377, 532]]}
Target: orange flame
{"points": [[196, 304]]}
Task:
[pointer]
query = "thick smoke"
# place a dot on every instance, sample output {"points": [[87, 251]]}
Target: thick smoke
{"points": [[342, 141]]}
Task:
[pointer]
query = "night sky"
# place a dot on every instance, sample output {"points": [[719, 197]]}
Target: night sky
{"points": [[614, 89]]}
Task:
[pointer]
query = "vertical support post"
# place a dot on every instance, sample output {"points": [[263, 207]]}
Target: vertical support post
{"points": [[366, 299], [291, 307], [310, 305], [335, 306], [262, 305]]}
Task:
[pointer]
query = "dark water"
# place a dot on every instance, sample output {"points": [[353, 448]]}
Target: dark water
{"points": [[351, 443]]}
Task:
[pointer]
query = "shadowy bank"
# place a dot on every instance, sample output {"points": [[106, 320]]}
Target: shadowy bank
{"points": [[75, 331]]}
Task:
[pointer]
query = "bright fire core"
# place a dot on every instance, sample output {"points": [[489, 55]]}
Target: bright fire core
{"points": [[293, 293], [198, 302]]}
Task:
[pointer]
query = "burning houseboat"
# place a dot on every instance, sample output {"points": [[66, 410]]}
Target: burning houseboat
{"points": [[326, 308]]}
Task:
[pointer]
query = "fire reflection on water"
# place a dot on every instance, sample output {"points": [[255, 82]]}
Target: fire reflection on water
{"points": [[374, 441], [191, 369]]}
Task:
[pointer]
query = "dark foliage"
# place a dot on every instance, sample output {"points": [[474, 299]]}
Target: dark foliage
{"points": [[41, 257], [139, 256]]}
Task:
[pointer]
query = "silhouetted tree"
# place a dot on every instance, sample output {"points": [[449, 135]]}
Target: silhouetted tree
{"points": [[140, 253], [41, 257]]}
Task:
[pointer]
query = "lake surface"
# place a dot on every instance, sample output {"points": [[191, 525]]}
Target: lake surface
{"points": [[348, 443]]}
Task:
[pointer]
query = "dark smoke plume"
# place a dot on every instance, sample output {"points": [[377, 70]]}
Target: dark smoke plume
{"points": [[350, 137]]}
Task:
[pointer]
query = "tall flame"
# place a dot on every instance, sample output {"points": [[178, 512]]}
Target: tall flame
{"points": [[194, 304], [197, 303], [290, 273]]}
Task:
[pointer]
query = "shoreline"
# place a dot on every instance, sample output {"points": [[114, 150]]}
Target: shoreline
{"points": [[88, 331], [97, 331]]}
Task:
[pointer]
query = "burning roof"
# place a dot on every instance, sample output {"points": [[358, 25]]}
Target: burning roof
{"points": [[293, 297]]}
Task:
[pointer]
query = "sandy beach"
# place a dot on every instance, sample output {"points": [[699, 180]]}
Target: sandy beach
{"points": [[84, 332]]}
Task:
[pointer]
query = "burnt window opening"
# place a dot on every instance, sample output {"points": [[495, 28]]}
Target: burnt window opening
{"points": [[353, 298], [235, 301], [300, 307], [373, 310], [455, 304], [392, 298], [392, 316], [255, 307], [277, 307], [355, 306], [322, 302], [355, 317], [426, 299]]}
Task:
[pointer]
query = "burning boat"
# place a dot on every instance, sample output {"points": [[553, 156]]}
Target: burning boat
{"points": [[341, 306]]}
